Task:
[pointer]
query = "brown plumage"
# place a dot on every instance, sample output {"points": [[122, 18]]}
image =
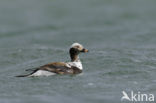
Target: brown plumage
{"points": [[61, 67]]}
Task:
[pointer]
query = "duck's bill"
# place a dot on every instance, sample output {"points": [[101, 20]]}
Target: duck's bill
{"points": [[85, 50]]}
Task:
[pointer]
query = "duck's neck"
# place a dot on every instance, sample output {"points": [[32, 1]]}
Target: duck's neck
{"points": [[74, 55], [75, 58]]}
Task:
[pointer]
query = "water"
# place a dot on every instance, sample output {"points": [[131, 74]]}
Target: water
{"points": [[120, 34]]}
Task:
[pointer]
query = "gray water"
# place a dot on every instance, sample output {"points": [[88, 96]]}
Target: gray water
{"points": [[120, 34]]}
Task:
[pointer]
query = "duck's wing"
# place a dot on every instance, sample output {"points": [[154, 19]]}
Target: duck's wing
{"points": [[60, 68], [47, 65], [56, 67]]}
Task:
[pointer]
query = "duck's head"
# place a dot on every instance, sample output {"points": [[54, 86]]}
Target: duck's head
{"points": [[75, 49]]}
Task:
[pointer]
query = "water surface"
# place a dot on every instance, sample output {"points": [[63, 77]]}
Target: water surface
{"points": [[120, 34]]}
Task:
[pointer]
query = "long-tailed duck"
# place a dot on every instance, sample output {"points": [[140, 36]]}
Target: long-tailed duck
{"points": [[73, 67]]}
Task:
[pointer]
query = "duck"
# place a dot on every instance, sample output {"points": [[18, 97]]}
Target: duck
{"points": [[72, 67]]}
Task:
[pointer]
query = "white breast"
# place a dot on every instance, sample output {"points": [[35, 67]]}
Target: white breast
{"points": [[76, 64]]}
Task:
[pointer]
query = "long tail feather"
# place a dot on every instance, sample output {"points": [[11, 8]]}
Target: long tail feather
{"points": [[27, 75], [23, 75]]}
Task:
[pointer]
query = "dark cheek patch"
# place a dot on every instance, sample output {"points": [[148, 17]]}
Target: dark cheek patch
{"points": [[74, 51]]}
